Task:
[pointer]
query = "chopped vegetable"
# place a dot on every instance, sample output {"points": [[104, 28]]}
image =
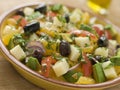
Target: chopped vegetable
{"points": [[61, 67], [75, 53], [32, 27], [19, 50], [15, 40], [85, 80], [82, 41], [28, 11], [109, 27], [109, 70], [33, 63], [115, 60], [46, 65], [56, 7], [86, 66], [35, 15], [86, 27], [75, 16], [99, 29], [101, 51], [72, 76], [98, 73], [84, 34], [20, 20]]}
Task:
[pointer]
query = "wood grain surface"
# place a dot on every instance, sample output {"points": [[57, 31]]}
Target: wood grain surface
{"points": [[9, 78]]}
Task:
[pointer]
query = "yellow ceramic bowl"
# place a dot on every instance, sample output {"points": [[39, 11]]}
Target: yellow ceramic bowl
{"points": [[37, 79]]}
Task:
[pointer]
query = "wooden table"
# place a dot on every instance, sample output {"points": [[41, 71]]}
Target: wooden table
{"points": [[9, 78]]}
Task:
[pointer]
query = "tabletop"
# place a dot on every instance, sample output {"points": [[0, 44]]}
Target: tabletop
{"points": [[9, 78]]}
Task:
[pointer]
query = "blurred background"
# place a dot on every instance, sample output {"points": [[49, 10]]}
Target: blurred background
{"points": [[9, 78]]}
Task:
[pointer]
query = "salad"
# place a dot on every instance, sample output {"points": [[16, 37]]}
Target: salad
{"points": [[63, 43]]}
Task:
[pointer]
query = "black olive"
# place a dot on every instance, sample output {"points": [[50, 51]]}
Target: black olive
{"points": [[20, 12], [42, 8], [38, 54], [36, 49], [67, 18], [102, 41], [64, 48], [118, 46], [32, 27]]}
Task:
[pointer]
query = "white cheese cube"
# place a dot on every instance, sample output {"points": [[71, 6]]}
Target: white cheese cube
{"points": [[82, 41], [56, 22], [18, 52], [75, 53], [109, 71], [28, 11], [101, 51], [60, 67], [75, 16]]}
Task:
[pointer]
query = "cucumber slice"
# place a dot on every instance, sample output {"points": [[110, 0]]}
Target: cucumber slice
{"points": [[10, 44], [115, 60], [86, 27], [72, 76], [98, 73]]}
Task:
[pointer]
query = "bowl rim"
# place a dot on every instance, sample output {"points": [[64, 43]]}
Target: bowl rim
{"points": [[13, 60]]}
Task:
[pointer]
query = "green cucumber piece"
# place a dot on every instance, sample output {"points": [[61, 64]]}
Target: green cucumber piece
{"points": [[33, 63], [115, 60], [111, 29], [10, 44], [56, 7], [72, 76], [86, 27], [98, 73]]}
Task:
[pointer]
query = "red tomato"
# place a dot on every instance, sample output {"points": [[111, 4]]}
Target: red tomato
{"points": [[83, 33], [21, 21], [98, 30], [46, 65], [51, 14], [87, 66], [108, 34]]}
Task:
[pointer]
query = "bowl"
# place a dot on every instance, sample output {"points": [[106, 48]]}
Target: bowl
{"points": [[37, 79]]}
